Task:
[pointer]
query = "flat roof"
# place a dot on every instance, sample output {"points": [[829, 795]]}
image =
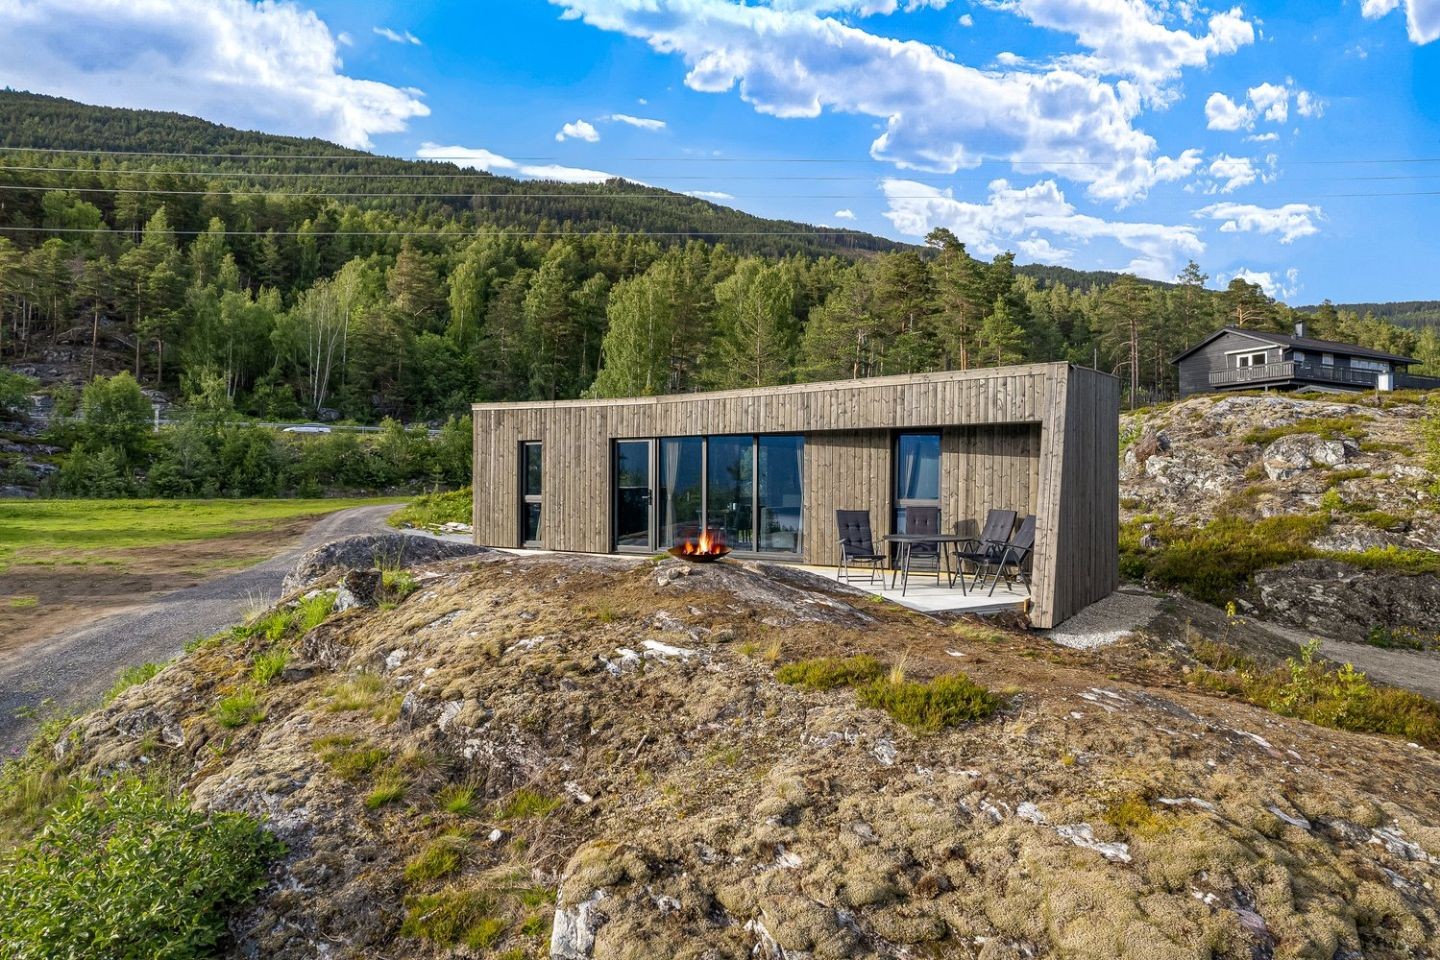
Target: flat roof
{"points": [[858, 383]]}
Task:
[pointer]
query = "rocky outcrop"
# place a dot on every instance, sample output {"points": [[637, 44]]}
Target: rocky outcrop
{"points": [[1335, 599], [383, 551], [689, 806], [1299, 452]]}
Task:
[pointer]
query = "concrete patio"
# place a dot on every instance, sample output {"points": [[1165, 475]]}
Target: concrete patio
{"points": [[924, 596]]}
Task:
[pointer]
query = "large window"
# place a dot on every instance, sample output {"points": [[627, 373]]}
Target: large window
{"points": [[748, 489], [681, 490], [531, 460], [730, 482], [782, 463], [1369, 366], [917, 473], [1256, 359]]}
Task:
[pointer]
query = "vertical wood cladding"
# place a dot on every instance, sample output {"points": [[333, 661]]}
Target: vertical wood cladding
{"points": [[1040, 438]]}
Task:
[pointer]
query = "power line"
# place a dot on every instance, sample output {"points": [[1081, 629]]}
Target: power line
{"points": [[630, 195], [638, 159]]}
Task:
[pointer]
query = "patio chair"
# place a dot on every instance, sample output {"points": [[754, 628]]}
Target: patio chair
{"points": [[989, 545], [1013, 560], [925, 557], [857, 545]]}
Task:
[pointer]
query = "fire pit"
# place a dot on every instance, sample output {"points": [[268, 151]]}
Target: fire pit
{"points": [[707, 549]]}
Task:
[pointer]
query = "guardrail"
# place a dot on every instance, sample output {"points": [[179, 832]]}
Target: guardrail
{"points": [[1288, 370]]}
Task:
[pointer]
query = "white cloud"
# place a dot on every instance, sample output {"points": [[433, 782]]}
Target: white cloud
{"points": [[644, 123], [1232, 173], [579, 130], [344, 39], [477, 158], [1280, 287], [1028, 217], [1222, 113], [939, 115], [1130, 38], [1422, 17], [269, 66], [709, 194], [1270, 137], [1309, 105], [846, 214], [861, 8], [1269, 102], [966, 20], [1291, 221], [397, 36]]}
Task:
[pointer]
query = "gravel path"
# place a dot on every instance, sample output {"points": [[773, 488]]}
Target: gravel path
{"points": [[75, 668]]}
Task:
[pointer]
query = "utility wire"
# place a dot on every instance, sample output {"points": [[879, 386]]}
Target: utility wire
{"points": [[641, 159], [474, 234]]}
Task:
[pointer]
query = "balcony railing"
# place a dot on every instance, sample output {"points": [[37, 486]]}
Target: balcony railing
{"points": [[1290, 370]]}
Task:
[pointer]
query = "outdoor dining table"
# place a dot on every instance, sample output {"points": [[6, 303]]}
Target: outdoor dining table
{"points": [[906, 541]]}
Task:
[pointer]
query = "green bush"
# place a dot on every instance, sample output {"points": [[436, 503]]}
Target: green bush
{"points": [[433, 509], [948, 701], [15, 390], [1310, 689], [129, 873], [827, 673]]}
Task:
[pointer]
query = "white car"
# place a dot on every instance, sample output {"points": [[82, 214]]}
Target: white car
{"points": [[307, 428]]}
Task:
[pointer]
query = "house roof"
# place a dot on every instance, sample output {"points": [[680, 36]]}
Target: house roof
{"points": [[1299, 343]]}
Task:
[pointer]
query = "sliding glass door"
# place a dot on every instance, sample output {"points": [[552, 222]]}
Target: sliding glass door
{"points": [[682, 493], [730, 482], [634, 496]]}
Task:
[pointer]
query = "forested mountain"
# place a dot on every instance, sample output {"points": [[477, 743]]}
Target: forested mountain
{"points": [[1417, 314], [305, 278]]}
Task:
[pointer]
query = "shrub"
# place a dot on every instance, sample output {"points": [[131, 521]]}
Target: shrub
{"points": [[15, 390], [433, 509], [929, 707], [827, 673], [127, 873], [1310, 689]]}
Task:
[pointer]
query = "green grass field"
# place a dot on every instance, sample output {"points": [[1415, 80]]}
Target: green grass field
{"points": [[86, 532]]}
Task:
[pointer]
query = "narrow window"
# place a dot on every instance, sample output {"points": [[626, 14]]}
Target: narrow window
{"points": [[530, 493], [917, 473]]}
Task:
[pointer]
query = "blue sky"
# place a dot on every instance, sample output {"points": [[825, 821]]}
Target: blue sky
{"points": [[1258, 139]]}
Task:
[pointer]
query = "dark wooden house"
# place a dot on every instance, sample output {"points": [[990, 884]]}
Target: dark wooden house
{"points": [[767, 468], [1238, 359]]}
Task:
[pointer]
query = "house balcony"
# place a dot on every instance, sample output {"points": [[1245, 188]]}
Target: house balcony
{"points": [[1293, 373]]}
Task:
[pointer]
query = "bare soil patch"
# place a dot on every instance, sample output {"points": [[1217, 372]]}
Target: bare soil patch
{"points": [[75, 588]]}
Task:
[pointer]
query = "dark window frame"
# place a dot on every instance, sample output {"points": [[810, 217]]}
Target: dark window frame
{"points": [[528, 499], [897, 503]]}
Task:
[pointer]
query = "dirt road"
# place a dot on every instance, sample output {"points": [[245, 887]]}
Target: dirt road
{"points": [[74, 668]]}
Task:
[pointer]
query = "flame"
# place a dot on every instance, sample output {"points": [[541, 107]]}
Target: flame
{"points": [[709, 544]]}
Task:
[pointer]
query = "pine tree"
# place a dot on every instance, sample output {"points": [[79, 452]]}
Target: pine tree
{"points": [[756, 334], [1000, 340]]}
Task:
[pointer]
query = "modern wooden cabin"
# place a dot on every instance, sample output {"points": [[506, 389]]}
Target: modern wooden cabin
{"points": [[767, 468]]}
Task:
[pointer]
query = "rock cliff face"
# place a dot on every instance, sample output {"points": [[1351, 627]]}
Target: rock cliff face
{"points": [[1355, 471], [591, 758]]}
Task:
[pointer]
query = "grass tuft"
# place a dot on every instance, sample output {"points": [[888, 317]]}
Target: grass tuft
{"points": [[239, 709], [130, 677], [454, 917], [389, 788], [269, 665], [348, 757], [526, 803], [828, 673], [457, 798], [439, 858], [948, 701]]}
